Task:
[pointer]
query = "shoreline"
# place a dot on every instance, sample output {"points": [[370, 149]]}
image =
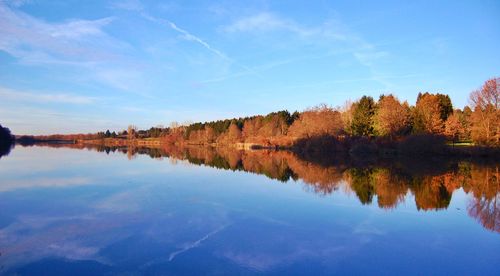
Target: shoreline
{"points": [[319, 147]]}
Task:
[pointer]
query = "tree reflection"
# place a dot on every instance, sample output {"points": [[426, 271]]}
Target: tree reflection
{"points": [[484, 206], [431, 182], [5, 149]]}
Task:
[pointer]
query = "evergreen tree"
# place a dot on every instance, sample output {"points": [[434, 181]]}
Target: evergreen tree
{"points": [[362, 120]]}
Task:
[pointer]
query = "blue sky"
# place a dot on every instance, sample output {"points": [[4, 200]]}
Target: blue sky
{"points": [[85, 66]]}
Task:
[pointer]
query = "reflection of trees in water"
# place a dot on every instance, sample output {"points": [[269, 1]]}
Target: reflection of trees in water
{"points": [[432, 182], [486, 211], [5, 149], [389, 188], [361, 182], [484, 206], [431, 193]]}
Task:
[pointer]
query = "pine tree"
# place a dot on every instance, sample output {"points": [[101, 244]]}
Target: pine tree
{"points": [[362, 119]]}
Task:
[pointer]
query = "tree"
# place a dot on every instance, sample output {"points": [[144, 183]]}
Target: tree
{"points": [[427, 115], [347, 112], [234, 133], [391, 117], [131, 132], [252, 126], [445, 106], [362, 118], [210, 135], [453, 127], [465, 122], [5, 135], [486, 116], [317, 121], [6, 140]]}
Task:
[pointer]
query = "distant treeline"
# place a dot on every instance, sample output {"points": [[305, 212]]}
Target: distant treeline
{"points": [[385, 120], [433, 114]]}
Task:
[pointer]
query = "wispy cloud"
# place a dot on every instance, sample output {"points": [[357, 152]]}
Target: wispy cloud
{"points": [[43, 182], [194, 38], [24, 36], [186, 35], [33, 120], [269, 22], [75, 43], [265, 22], [42, 97], [194, 244], [330, 36]]}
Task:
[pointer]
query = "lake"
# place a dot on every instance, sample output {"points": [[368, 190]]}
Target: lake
{"points": [[89, 211]]}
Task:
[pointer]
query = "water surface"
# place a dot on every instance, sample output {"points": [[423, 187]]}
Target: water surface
{"points": [[207, 211]]}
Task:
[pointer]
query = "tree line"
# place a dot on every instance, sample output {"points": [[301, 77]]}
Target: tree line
{"points": [[386, 118], [433, 114]]}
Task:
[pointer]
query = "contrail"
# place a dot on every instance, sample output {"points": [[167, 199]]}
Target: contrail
{"points": [[186, 34], [195, 243], [196, 39]]}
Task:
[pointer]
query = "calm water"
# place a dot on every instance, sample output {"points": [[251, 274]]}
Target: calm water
{"points": [[202, 211]]}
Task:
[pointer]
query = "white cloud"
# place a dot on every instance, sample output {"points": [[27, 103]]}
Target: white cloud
{"points": [[42, 97], [330, 36], [121, 79], [24, 36], [78, 29], [268, 22], [82, 44], [260, 22], [12, 185]]}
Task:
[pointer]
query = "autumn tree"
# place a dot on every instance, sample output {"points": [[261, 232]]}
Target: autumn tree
{"points": [[131, 132], [427, 115], [453, 127], [391, 117], [210, 135], [252, 126], [464, 117], [347, 113], [317, 121], [362, 117], [231, 135], [486, 115], [234, 133]]}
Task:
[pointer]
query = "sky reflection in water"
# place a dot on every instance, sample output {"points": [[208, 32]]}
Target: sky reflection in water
{"points": [[92, 213]]}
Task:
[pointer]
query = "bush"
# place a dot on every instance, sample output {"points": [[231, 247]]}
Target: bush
{"points": [[423, 145]]}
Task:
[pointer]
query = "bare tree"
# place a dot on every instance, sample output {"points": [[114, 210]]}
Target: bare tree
{"points": [[131, 132], [486, 115]]}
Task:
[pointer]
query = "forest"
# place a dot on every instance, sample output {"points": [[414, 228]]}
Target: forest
{"points": [[366, 125]]}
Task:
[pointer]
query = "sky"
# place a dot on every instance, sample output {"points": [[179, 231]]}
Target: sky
{"points": [[86, 66]]}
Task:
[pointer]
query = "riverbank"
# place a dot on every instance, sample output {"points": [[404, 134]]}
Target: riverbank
{"points": [[417, 146]]}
